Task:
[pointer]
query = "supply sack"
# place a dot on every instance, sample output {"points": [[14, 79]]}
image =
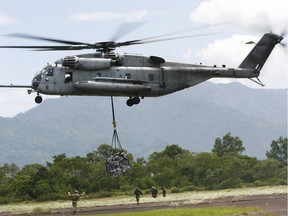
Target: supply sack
{"points": [[117, 164]]}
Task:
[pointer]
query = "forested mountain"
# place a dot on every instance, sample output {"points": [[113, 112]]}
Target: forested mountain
{"points": [[193, 119]]}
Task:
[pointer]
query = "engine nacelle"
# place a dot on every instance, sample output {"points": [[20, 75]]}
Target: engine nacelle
{"points": [[87, 64]]}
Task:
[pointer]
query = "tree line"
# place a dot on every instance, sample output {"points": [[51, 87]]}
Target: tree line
{"points": [[175, 168]]}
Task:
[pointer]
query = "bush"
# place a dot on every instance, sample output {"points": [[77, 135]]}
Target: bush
{"points": [[127, 188], [229, 183], [176, 190], [104, 194], [191, 188], [48, 197]]}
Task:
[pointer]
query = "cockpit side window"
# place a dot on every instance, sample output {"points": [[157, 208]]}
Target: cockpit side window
{"points": [[38, 77], [50, 72]]}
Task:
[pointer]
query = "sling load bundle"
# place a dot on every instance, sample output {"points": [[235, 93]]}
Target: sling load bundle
{"points": [[117, 163]]}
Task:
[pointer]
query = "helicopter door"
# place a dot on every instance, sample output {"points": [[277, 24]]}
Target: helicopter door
{"points": [[49, 80], [67, 80]]}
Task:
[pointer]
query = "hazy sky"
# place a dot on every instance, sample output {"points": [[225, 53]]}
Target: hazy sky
{"points": [[93, 21]]}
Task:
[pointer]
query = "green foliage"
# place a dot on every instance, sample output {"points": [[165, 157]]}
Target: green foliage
{"points": [[278, 150], [175, 168], [228, 145]]}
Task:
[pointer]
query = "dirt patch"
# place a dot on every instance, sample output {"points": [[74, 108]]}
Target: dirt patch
{"points": [[275, 204]]}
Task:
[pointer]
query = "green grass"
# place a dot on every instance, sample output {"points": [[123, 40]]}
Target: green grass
{"points": [[221, 211], [188, 198]]}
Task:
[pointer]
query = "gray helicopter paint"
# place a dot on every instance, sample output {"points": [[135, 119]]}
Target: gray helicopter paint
{"points": [[152, 81]]}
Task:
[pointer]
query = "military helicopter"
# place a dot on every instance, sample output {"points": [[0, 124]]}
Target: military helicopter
{"points": [[107, 73]]}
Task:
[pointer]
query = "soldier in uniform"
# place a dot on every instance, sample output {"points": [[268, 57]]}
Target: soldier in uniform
{"points": [[137, 194], [75, 197], [154, 192], [163, 191]]}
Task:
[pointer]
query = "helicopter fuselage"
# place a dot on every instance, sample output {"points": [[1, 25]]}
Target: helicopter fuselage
{"points": [[125, 75]]}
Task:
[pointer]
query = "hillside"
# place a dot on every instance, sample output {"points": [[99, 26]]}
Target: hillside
{"points": [[192, 118]]}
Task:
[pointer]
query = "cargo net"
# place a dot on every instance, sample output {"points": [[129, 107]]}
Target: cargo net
{"points": [[117, 163]]}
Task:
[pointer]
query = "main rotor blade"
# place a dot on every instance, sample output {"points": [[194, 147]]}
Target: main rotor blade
{"points": [[105, 46], [183, 31], [145, 41], [15, 86], [34, 37]]}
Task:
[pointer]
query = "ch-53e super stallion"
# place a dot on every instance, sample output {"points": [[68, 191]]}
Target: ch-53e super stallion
{"points": [[106, 73]]}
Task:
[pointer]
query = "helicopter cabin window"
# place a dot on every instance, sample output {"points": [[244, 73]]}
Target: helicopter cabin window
{"points": [[68, 77], [50, 72], [98, 74], [151, 77], [128, 75]]}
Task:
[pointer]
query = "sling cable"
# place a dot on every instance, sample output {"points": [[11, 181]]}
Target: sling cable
{"points": [[117, 163]]}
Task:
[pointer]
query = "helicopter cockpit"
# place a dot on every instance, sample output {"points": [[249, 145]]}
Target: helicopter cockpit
{"points": [[37, 79], [46, 71]]}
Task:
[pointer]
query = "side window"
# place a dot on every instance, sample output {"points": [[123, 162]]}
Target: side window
{"points": [[128, 75], [151, 77], [99, 75], [68, 77], [50, 72]]}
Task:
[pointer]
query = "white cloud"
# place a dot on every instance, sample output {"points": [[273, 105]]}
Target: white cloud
{"points": [[262, 15], [232, 50], [248, 17], [98, 16], [6, 19]]}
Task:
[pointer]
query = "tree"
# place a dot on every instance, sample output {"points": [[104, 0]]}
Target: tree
{"points": [[165, 166], [228, 145], [278, 150], [174, 151], [102, 152], [267, 169]]}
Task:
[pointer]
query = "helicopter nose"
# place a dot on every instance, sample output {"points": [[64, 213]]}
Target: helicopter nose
{"points": [[35, 84], [36, 81]]}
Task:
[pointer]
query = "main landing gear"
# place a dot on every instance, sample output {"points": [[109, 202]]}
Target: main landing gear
{"points": [[38, 99], [133, 101]]}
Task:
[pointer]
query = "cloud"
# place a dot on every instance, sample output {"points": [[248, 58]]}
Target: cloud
{"points": [[247, 17], [6, 19], [98, 16], [232, 50], [259, 15]]}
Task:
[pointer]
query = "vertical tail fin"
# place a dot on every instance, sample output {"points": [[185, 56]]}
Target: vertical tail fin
{"points": [[259, 54]]}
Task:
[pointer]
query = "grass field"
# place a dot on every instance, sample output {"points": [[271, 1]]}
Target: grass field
{"points": [[189, 212], [189, 198]]}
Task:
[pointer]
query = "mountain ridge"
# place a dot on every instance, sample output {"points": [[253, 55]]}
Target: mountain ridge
{"points": [[193, 119]]}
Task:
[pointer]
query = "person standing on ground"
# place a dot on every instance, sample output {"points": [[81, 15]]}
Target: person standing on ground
{"points": [[75, 197], [154, 192], [137, 194], [163, 191]]}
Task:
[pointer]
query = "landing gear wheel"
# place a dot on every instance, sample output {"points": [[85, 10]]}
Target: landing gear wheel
{"points": [[38, 99], [136, 100], [130, 102]]}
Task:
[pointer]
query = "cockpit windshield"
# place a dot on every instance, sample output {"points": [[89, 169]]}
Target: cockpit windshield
{"points": [[37, 78]]}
